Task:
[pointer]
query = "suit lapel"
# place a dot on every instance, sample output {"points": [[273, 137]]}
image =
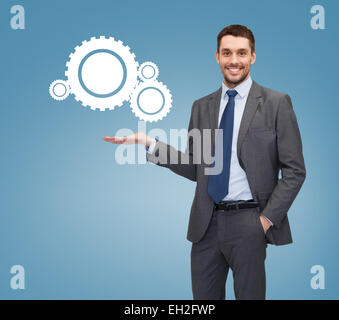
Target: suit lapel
{"points": [[251, 106], [214, 107]]}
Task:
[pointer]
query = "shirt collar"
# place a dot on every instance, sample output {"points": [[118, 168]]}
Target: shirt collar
{"points": [[242, 89]]}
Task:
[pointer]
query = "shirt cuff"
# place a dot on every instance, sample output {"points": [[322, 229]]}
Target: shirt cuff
{"points": [[150, 149]]}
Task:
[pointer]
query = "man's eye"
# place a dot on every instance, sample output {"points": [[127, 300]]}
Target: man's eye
{"points": [[226, 53], [242, 53]]}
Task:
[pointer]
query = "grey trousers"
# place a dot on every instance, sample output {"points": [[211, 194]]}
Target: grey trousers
{"points": [[234, 239]]}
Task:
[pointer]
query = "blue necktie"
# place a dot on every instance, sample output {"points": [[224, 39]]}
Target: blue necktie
{"points": [[218, 184]]}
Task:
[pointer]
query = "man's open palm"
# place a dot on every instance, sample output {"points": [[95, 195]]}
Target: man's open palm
{"points": [[136, 138]]}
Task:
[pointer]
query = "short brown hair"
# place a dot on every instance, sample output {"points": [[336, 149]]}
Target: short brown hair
{"points": [[237, 30]]}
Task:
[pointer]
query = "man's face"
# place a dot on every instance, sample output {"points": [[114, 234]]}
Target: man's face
{"points": [[235, 59]]}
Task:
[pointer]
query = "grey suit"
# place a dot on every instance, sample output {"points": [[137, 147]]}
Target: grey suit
{"points": [[268, 140]]}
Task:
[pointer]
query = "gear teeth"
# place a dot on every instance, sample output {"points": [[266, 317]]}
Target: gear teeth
{"points": [[136, 109], [155, 75], [53, 94], [72, 66]]}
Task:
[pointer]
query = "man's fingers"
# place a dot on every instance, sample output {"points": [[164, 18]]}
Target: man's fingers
{"points": [[114, 139]]}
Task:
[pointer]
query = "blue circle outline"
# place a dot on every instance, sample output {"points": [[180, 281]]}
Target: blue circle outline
{"points": [[64, 87], [142, 71], [107, 94], [163, 100]]}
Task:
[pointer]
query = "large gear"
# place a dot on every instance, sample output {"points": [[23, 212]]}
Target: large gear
{"points": [[151, 101], [82, 73]]}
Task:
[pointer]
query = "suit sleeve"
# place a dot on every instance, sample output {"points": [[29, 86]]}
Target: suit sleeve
{"points": [[163, 153], [291, 163]]}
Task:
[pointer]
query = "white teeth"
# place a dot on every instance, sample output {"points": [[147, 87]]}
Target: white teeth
{"points": [[234, 70]]}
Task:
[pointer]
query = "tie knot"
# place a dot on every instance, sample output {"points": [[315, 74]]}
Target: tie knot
{"points": [[231, 93]]}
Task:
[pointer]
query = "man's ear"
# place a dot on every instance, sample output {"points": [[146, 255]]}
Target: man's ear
{"points": [[217, 57], [253, 57]]}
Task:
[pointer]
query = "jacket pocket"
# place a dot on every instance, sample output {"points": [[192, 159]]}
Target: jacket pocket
{"points": [[257, 217]]}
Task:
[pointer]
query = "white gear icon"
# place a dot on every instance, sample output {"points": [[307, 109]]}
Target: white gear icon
{"points": [[102, 73], [151, 101], [148, 71], [59, 90]]}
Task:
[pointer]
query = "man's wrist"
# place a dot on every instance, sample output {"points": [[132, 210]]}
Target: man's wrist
{"points": [[151, 145], [148, 141]]}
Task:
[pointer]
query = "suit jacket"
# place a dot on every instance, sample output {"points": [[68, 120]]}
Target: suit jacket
{"points": [[268, 141]]}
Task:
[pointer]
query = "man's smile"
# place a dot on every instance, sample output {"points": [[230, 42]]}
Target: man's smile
{"points": [[234, 70]]}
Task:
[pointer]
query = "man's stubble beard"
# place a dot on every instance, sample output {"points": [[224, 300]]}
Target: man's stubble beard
{"points": [[235, 83]]}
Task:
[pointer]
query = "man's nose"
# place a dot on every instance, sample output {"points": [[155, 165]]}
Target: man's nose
{"points": [[234, 59]]}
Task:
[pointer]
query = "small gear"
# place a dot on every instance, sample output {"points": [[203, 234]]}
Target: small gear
{"points": [[59, 90], [151, 101], [148, 71], [102, 73]]}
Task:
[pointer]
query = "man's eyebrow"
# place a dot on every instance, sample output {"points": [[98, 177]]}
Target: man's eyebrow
{"points": [[241, 49]]}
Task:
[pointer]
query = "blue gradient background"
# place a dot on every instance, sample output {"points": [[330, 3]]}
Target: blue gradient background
{"points": [[85, 227]]}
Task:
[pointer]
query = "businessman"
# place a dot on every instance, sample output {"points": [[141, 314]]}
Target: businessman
{"points": [[240, 210]]}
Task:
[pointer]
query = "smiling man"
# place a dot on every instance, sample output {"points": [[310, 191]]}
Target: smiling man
{"points": [[236, 213], [235, 55]]}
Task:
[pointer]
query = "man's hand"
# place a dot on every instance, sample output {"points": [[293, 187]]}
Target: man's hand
{"points": [[136, 138], [265, 223]]}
